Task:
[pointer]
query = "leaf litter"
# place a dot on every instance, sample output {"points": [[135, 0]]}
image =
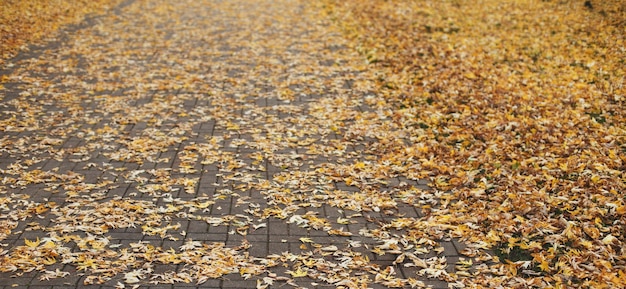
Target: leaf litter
{"points": [[244, 124], [515, 109], [26, 22]]}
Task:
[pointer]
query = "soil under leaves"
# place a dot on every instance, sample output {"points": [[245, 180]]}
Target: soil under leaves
{"points": [[250, 116]]}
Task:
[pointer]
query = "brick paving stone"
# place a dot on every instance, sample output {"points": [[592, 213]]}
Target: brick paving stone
{"points": [[161, 287], [449, 248], [234, 282], [12, 281]]}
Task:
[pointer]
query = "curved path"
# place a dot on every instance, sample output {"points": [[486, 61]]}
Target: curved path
{"points": [[209, 144]]}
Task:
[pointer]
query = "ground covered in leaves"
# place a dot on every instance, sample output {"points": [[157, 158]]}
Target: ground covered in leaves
{"points": [[286, 143], [516, 110], [23, 22]]}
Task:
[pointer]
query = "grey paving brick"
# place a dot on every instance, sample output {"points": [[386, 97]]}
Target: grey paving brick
{"points": [[449, 248]]}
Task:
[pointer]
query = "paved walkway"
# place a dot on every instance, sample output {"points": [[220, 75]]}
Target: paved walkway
{"points": [[209, 144]]}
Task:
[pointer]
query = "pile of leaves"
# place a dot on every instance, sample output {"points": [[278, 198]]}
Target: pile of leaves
{"points": [[24, 21], [516, 110]]}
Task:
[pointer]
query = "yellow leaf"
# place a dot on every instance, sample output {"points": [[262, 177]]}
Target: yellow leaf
{"points": [[359, 165], [339, 233], [343, 221], [544, 266], [32, 244], [204, 205], [465, 262], [49, 245], [378, 251], [49, 261], [470, 75], [298, 273], [595, 179]]}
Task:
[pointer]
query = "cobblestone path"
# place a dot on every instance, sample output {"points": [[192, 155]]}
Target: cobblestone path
{"points": [[209, 144]]}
